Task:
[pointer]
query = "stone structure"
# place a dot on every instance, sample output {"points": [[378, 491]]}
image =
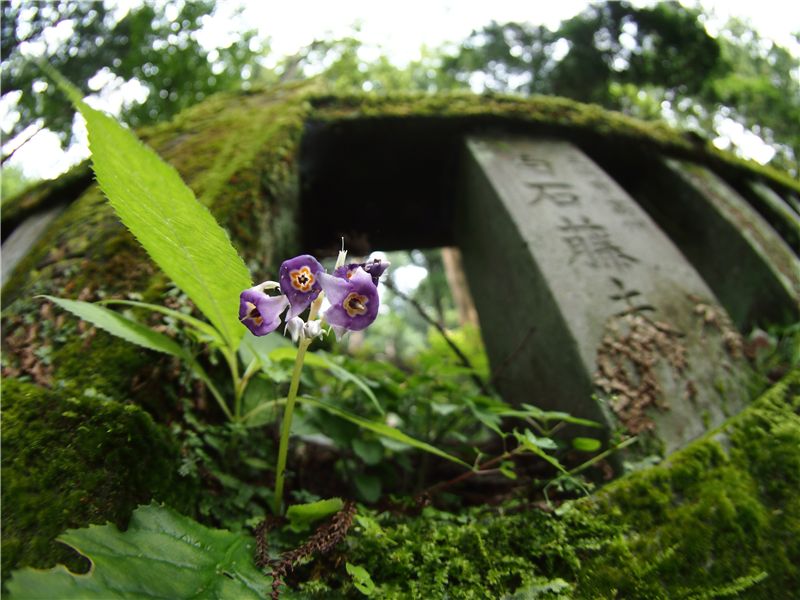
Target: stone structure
{"points": [[557, 248], [753, 271], [292, 169]]}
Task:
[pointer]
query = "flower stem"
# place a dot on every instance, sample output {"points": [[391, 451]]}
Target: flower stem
{"points": [[286, 425], [233, 365]]}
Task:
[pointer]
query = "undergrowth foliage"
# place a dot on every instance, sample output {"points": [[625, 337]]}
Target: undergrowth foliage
{"points": [[403, 440], [183, 238]]}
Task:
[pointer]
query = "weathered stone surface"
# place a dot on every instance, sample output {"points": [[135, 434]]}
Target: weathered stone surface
{"points": [[786, 220], [751, 269], [555, 247], [24, 237]]}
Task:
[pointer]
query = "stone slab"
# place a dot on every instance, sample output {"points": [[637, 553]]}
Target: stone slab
{"points": [[578, 290], [785, 219], [23, 238], [752, 270]]}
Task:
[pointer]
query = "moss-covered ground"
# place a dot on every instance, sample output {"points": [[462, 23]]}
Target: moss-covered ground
{"points": [[78, 446], [69, 460], [720, 518]]}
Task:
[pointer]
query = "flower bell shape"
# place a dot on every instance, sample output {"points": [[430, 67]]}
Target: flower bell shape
{"points": [[261, 313], [374, 267], [299, 279], [354, 300]]}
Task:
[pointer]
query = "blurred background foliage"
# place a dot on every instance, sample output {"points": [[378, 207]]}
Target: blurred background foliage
{"points": [[150, 61], [655, 62]]}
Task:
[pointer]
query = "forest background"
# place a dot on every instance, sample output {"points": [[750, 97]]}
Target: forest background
{"points": [[146, 61]]}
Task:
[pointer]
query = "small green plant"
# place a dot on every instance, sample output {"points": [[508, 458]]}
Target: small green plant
{"points": [[184, 239]]}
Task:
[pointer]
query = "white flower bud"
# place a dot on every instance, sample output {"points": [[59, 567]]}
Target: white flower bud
{"points": [[295, 328], [312, 329]]}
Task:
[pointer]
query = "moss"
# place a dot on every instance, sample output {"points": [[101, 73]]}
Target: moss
{"points": [[473, 555], [103, 363], [554, 113], [70, 461], [723, 508], [719, 518]]}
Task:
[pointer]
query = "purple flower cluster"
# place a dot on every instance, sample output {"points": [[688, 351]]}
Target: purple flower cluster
{"points": [[352, 291]]}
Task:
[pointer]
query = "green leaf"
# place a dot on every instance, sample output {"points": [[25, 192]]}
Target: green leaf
{"points": [[289, 353], [178, 232], [199, 325], [262, 414], [555, 415], [361, 579], [507, 469], [533, 444], [585, 444], [381, 429], [368, 486], [123, 327], [370, 451], [319, 360], [161, 555], [345, 375], [302, 515], [542, 442]]}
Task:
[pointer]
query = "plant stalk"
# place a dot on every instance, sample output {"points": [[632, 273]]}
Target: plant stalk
{"points": [[286, 425], [238, 390]]}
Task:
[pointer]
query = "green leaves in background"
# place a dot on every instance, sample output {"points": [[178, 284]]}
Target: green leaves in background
{"points": [[301, 516], [381, 429], [161, 555], [116, 324], [320, 360], [136, 333], [178, 232], [361, 579]]}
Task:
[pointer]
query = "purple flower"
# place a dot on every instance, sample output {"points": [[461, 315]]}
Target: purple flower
{"points": [[353, 297], [374, 267], [299, 282], [260, 313]]}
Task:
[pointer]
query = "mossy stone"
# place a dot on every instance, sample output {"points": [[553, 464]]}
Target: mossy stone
{"points": [[720, 518], [71, 461]]}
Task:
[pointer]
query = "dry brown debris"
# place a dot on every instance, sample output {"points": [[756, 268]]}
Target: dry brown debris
{"points": [[322, 541], [630, 352], [715, 317]]}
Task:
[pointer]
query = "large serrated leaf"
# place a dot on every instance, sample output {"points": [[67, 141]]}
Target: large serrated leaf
{"points": [[177, 231], [162, 555], [116, 324]]}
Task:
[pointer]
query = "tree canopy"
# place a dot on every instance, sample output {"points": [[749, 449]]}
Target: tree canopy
{"points": [[654, 62], [155, 44]]}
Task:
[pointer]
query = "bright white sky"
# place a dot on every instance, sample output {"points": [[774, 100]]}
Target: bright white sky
{"points": [[401, 32]]}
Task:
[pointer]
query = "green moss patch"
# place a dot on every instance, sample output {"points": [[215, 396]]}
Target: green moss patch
{"points": [[719, 518], [70, 461]]}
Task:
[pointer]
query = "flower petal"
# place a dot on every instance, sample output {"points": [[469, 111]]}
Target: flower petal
{"points": [[335, 288], [299, 282], [354, 301], [312, 329], [375, 268], [260, 313]]}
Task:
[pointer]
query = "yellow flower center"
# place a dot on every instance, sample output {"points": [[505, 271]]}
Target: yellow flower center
{"points": [[252, 313], [302, 279], [355, 304]]}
